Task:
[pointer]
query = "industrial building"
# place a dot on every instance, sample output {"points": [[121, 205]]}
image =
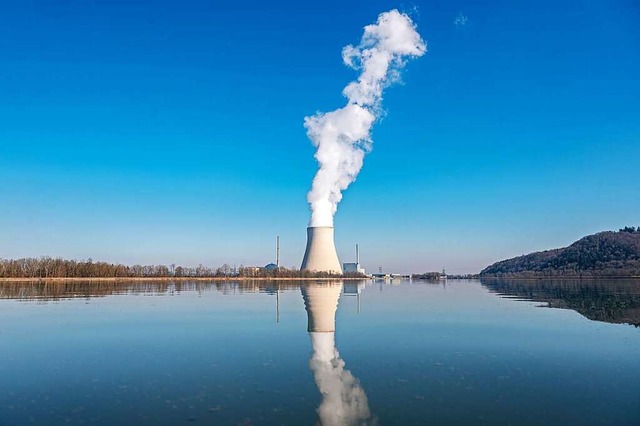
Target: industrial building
{"points": [[354, 267], [275, 266]]}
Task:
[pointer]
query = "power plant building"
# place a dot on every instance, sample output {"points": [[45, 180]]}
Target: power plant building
{"points": [[354, 267]]}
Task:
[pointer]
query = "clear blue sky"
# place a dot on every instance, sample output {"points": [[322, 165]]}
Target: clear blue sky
{"points": [[166, 131]]}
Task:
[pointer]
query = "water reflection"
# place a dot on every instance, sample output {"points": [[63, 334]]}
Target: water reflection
{"points": [[613, 301], [60, 290], [212, 352], [343, 400]]}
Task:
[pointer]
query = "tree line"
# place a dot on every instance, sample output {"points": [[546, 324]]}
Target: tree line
{"points": [[429, 276], [47, 267], [630, 229]]}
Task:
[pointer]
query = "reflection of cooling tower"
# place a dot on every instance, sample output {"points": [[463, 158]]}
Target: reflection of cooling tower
{"points": [[320, 254], [344, 402], [321, 302]]}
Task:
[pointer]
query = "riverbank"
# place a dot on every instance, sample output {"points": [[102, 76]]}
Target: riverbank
{"points": [[559, 277], [156, 279]]}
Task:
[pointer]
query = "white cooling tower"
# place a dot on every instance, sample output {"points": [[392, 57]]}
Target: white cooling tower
{"points": [[321, 302], [320, 254]]}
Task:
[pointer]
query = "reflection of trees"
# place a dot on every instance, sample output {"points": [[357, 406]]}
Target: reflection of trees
{"points": [[50, 291], [614, 301]]}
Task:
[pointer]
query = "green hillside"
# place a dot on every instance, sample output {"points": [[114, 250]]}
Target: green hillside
{"points": [[605, 254]]}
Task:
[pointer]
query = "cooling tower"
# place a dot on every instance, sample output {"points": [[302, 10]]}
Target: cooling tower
{"points": [[320, 254], [321, 302]]}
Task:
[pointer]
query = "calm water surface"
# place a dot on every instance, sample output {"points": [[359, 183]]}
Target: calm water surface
{"points": [[461, 352]]}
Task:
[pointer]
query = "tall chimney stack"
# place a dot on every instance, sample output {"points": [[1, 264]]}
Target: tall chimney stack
{"points": [[278, 251], [357, 255], [320, 254]]}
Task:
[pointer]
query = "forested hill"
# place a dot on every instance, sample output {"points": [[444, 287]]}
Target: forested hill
{"points": [[605, 254]]}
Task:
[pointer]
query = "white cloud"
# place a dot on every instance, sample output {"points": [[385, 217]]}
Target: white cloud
{"points": [[461, 20]]}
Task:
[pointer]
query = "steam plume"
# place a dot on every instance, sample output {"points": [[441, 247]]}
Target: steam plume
{"points": [[343, 136]]}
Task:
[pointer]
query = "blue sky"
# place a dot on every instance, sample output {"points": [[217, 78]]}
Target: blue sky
{"points": [[160, 132]]}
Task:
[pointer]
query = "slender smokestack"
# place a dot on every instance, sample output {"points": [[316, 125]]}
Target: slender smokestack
{"points": [[357, 255], [278, 251], [320, 254]]}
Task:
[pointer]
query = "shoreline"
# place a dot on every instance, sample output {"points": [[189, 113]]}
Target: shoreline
{"points": [[217, 279], [617, 277], [153, 279]]}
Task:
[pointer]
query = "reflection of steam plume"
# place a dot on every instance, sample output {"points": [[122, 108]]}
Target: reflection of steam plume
{"points": [[343, 136], [343, 400]]}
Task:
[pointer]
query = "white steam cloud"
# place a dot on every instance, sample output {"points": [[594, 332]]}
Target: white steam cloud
{"points": [[343, 136]]}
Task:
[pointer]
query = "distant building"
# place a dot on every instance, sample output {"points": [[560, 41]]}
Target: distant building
{"points": [[275, 266], [271, 267], [352, 267], [381, 275]]}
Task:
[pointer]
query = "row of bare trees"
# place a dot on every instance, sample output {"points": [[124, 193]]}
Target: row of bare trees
{"points": [[47, 267]]}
